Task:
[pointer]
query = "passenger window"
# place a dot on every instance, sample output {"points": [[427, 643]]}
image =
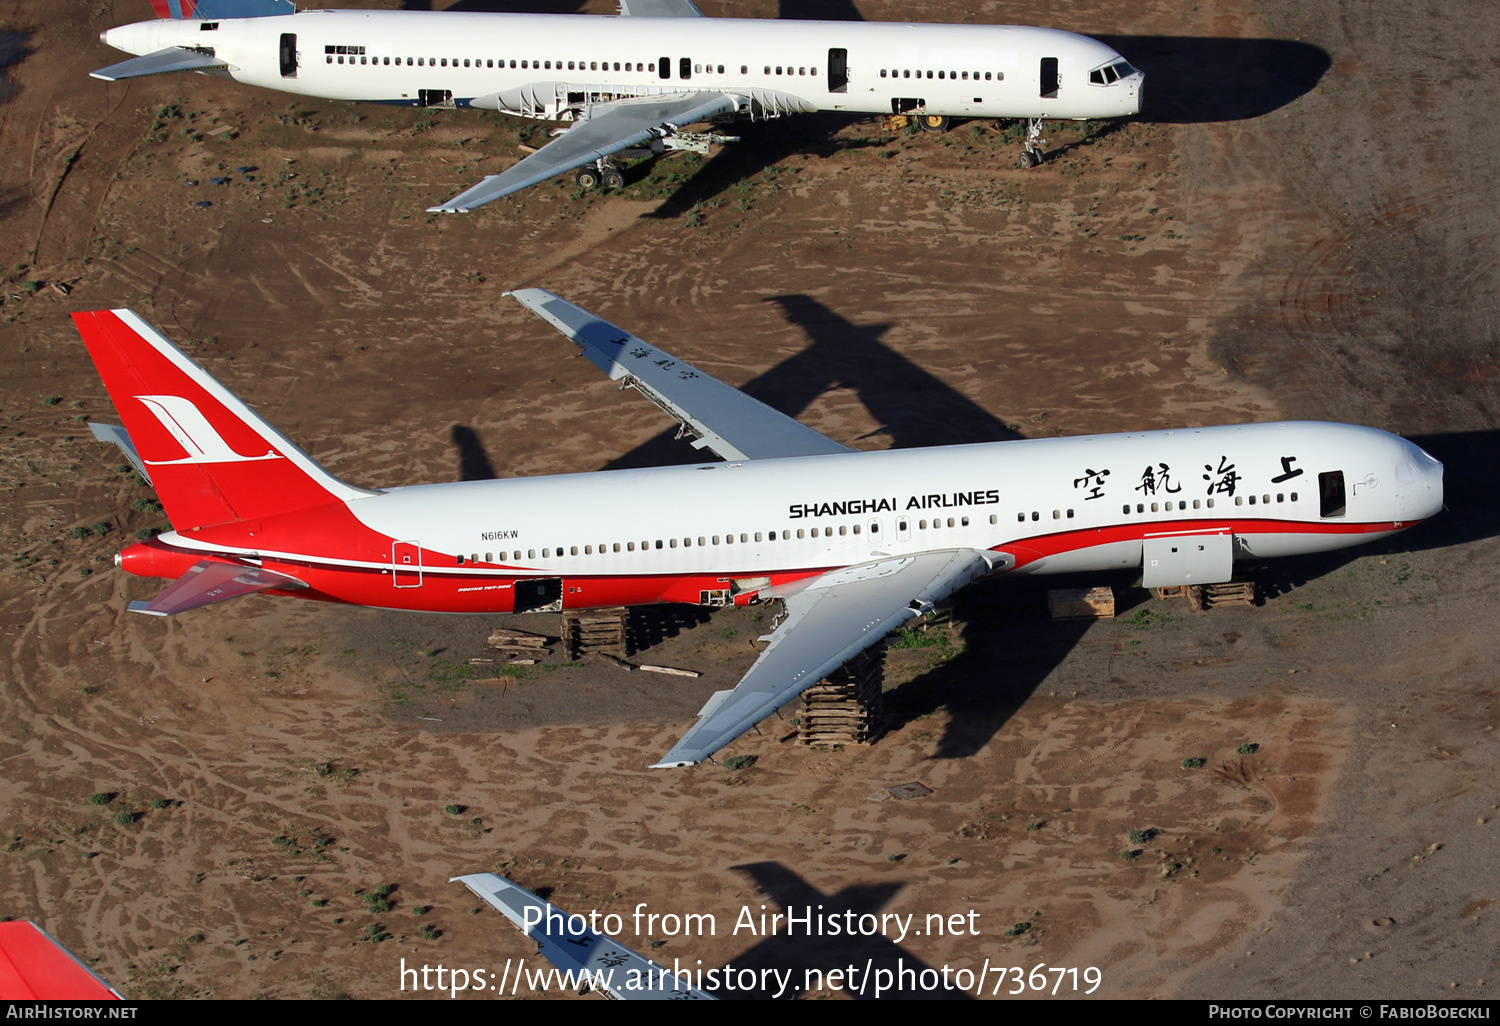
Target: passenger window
{"points": [[1125, 508], [1035, 515], [799, 532], [994, 519], [531, 553], [1140, 507], [922, 525]]}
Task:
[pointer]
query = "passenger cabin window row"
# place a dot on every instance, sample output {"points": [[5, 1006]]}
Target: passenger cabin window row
{"points": [[347, 55], [700, 541], [999, 76]]}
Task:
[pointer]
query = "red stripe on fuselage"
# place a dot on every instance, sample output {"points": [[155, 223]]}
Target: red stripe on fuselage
{"points": [[1028, 550]]}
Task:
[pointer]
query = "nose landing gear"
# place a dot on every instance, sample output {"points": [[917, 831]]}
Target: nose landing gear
{"points": [[1031, 154]]}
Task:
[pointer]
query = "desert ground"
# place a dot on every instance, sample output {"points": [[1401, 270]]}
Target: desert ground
{"points": [[1301, 225]]}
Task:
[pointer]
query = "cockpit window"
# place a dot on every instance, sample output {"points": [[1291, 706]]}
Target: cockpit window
{"points": [[1111, 73]]}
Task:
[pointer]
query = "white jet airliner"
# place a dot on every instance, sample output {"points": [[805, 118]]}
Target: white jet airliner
{"points": [[854, 543], [634, 80]]}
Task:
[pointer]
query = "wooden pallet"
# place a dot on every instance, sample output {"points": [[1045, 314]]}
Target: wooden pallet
{"points": [[846, 707], [1206, 596], [595, 630]]}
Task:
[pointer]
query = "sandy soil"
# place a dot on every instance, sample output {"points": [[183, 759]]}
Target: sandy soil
{"points": [[1301, 226]]}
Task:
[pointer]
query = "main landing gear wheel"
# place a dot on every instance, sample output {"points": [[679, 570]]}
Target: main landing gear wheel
{"points": [[587, 177], [1031, 158], [933, 123], [614, 177]]}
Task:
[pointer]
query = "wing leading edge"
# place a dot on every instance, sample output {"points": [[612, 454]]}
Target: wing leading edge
{"points": [[609, 128], [609, 965], [829, 621], [726, 420]]}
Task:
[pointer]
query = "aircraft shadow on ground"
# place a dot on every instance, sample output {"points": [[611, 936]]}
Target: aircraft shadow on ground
{"points": [[912, 406], [1471, 496], [1193, 79], [13, 51], [798, 954]]}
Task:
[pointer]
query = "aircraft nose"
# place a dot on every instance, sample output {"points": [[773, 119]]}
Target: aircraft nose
{"points": [[1419, 483]]}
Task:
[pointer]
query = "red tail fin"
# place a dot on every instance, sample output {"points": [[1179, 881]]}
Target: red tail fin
{"points": [[211, 458]]}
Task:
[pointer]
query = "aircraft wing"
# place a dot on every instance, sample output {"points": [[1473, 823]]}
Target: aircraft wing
{"points": [[659, 9], [162, 62], [211, 580], [830, 619], [610, 966], [726, 420], [609, 128]]}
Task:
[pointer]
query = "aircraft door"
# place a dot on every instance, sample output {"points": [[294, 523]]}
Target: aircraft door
{"points": [[838, 70], [1049, 78], [406, 564], [287, 52], [538, 594], [664, 68], [685, 68]]}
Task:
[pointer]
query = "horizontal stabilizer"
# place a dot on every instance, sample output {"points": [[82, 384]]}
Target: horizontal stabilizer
{"points": [[726, 420], [608, 128], [568, 943], [116, 435], [162, 62], [210, 9], [210, 581]]}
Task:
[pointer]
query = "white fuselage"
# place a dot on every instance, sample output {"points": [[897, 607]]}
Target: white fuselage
{"points": [[555, 65], [1044, 506]]}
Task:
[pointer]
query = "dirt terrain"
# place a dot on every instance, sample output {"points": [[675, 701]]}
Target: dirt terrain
{"points": [[1301, 225]]}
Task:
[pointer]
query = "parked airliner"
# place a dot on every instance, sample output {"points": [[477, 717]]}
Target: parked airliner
{"points": [[854, 543], [634, 80]]}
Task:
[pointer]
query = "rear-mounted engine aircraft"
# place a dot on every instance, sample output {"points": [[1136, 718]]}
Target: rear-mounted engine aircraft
{"points": [[635, 80], [854, 544]]}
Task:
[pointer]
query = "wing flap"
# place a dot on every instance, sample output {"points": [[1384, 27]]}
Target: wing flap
{"points": [[609, 965], [610, 128], [212, 580], [726, 420], [833, 619], [162, 62]]}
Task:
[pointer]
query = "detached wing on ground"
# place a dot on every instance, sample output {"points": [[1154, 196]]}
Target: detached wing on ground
{"points": [[212, 580], [162, 62], [724, 419], [608, 128], [610, 966], [829, 620]]}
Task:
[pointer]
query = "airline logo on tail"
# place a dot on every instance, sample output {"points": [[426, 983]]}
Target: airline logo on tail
{"points": [[194, 433]]}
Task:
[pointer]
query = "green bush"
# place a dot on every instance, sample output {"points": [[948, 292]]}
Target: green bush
{"points": [[1193, 763], [1248, 748], [739, 762]]}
